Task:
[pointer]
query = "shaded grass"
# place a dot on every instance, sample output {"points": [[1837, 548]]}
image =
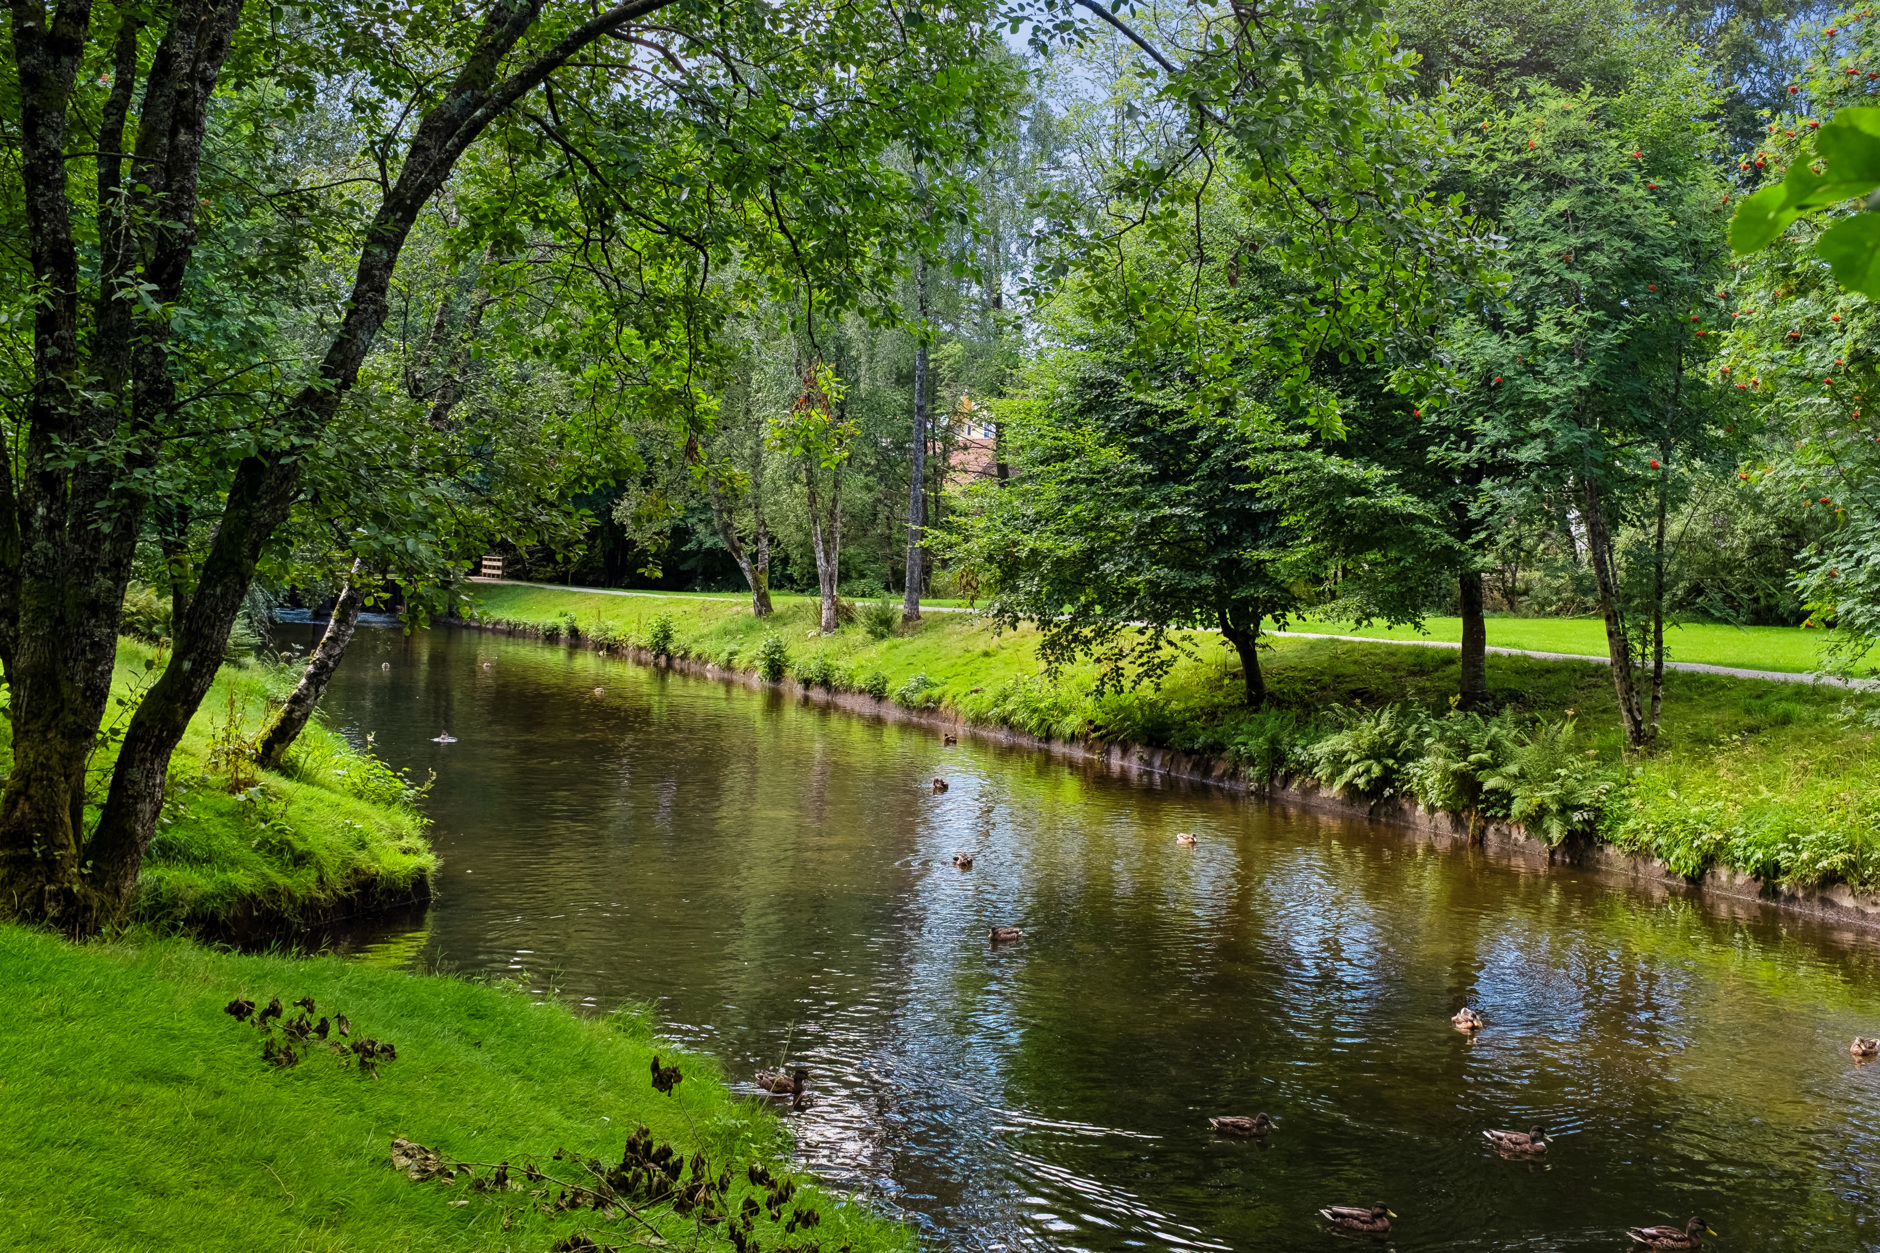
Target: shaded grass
{"points": [[338, 830], [1788, 649], [138, 1116], [1775, 779]]}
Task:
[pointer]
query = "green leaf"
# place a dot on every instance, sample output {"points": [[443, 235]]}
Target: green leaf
{"points": [[1761, 218], [1851, 145], [1852, 248]]}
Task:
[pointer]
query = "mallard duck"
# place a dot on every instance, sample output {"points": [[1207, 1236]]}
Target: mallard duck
{"points": [[1373, 1221], [963, 860], [385, 665], [600, 691], [1686, 1237], [939, 786], [444, 738], [1185, 838], [777, 1083], [1241, 1125], [1467, 1019], [948, 741], [1863, 1047], [1004, 935], [1525, 1142]]}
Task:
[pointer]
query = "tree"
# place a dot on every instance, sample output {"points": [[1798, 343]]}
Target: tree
{"points": [[154, 364], [1592, 372]]}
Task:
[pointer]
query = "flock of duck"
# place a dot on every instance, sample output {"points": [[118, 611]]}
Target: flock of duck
{"points": [[1375, 1219]]}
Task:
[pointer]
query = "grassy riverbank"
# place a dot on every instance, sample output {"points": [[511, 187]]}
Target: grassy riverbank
{"points": [[1773, 779], [247, 855], [139, 1116]]}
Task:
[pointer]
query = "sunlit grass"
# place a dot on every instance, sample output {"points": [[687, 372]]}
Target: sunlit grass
{"points": [[1789, 649], [137, 1115]]}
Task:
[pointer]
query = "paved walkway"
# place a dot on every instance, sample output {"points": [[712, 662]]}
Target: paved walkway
{"points": [[1693, 667]]}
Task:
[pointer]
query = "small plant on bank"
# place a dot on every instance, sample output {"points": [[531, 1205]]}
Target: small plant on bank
{"points": [[773, 658], [881, 618], [659, 636], [817, 671], [729, 659], [917, 693], [1459, 752], [1368, 754], [1554, 789], [234, 753], [875, 683]]}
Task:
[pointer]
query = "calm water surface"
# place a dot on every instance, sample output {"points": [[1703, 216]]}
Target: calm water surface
{"points": [[777, 880]]}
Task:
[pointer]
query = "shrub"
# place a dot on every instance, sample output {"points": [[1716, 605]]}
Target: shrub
{"points": [[1271, 743], [1458, 753], [146, 614], [659, 636], [817, 671], [1553, 788], [875, 683], [881, 618], [1369, 752], [917, 693], [773, 658]]}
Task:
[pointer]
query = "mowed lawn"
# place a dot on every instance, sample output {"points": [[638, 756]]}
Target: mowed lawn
{"points": [[1789, 649]]}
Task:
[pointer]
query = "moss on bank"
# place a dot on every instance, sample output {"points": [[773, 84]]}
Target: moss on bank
{"points": [[249, 855], [1772, 779], [138, 1115]]}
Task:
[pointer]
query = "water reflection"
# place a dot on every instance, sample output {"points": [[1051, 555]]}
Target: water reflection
{"points": [[778, 880]]}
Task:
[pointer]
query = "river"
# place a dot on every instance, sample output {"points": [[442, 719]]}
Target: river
{"points": [[776, 879]]}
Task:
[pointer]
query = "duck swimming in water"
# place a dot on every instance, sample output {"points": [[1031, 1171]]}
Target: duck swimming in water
{"points": [[777, 1083], [939, 786], [445, 738], [1671, 1237], [1526, 1143], [1864, 1048], [1241, 1125], [1467, 1019], [1374, 1221], [1185, 838], [963, 860], [1005, 935]]}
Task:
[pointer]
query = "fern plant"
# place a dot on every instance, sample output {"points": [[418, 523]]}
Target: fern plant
{"points": [[1553, 788], [1368, 754]]}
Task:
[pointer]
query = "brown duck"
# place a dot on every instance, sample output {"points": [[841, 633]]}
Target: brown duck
{"points": [[1864, 1048], [963, 860], [1185, 838], [1687, 1237], [1005, 935], [1529, 1143], [777, 1083], [939, 786], [1467, 1019], [1241, 1125], [1374, 1221]]}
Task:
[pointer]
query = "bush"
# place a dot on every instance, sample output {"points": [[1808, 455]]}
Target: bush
{"points": [[146, 614], [875, 683], [773, 658], [1459, 752], [1271, 744], [1553, 788], [881, 618], [817, 671], [659, 636], [1370, 752], [917, 693]]}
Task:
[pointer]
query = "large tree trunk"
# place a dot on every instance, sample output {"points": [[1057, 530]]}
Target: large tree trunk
{"points": [[292, 717], [917, 466], [67, 539], [1474, 685], [1242, 630], [1618, 646]]}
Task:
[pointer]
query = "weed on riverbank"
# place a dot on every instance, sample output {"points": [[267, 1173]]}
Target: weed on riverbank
{"points": [[1773, 779], [139, 1114]]}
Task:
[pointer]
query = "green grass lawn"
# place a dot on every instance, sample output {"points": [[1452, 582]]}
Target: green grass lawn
{"points": [[137, 1115], [1788, 649]]}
